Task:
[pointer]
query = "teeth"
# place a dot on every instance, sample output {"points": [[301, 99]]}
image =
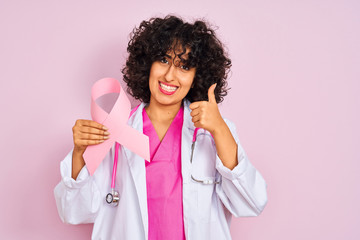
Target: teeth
{"points": [[167, 88]]}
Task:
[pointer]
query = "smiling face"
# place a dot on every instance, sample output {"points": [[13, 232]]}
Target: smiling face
{"points": [[170, 80]]}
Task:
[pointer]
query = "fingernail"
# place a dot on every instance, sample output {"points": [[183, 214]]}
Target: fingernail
{"points": [[101, 141], [105, 128], [106, 137], [106, 133]]}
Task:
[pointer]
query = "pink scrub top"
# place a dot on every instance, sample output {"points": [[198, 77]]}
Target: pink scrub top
{"points": [[164, 181]]}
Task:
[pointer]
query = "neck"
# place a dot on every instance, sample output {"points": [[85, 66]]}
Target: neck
{"points": [[162, 113]]}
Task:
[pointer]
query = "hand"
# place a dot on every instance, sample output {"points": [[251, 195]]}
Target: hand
{"points": [[205, 114], [88, 132]]}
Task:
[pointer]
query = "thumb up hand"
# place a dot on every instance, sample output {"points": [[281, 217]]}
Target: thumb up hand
{"points": [[205, 114]]}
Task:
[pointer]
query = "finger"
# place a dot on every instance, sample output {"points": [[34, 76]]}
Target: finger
{"points": [[93, 124], [211, 93], [194, 105], [93, 131], [89, 136], [196, 119], [195, 112], [89, 142], [197, 124]]}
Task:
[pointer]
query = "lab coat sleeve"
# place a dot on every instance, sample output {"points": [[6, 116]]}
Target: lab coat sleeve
{"points": [[77, 201], [243, 189]]}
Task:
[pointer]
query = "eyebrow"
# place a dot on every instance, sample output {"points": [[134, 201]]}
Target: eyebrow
{"points": [[183, 60]]}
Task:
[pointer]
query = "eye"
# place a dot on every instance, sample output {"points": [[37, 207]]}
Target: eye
{"points": [[185, 67], [164, 60]]}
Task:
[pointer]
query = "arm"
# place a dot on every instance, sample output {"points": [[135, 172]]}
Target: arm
{"points": [[226, 147], [242, 189], [77, 196], [78, 164], [77, 201], [206, 115]]}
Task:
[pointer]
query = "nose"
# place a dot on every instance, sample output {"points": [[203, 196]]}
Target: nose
{"points": [[170, 73]]}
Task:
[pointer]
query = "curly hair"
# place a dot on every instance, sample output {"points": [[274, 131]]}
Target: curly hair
{"points": [[154, 38]]}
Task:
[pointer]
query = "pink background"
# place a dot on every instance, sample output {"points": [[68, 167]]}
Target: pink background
{"points": [[295, 100]]}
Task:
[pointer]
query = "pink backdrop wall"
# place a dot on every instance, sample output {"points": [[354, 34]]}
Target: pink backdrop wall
{"points": [[294, 98]]}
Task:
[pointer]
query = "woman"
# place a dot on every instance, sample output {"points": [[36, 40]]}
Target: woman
{"points": [[178, 70]]}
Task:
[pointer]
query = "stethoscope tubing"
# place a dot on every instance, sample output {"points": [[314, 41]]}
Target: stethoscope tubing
{"points": [[207, 182], [117, 146]]}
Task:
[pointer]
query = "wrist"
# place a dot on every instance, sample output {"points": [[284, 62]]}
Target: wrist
{"points": [[220, 128], [78, 151], [77, 163]]}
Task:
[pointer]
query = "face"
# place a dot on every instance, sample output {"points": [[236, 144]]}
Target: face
{"points": [[170, 80]]}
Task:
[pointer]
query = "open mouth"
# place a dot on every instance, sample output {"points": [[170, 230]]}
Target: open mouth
{"points": [[167, 89]]}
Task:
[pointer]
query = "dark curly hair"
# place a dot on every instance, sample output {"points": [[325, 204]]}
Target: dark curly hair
{"points": [[154, 38]]}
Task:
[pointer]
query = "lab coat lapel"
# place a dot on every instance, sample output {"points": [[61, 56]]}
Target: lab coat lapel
{"points": [[137, 168], [188, 189], [186, 141]]}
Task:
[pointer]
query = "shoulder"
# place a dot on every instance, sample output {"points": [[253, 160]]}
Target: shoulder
{"points": [[134, 110], [135, 115]]}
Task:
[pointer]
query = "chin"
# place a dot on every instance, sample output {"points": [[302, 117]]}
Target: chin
{"points": [[168, 102]]}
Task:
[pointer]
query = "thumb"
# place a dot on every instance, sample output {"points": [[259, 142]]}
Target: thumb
{"points": [[211, 93]]}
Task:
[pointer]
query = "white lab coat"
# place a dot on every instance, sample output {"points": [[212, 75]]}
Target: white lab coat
{"points": [[207, 208]]}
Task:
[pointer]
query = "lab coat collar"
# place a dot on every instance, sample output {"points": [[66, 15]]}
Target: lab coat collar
{"points": [[187, 117], [136, 120]]}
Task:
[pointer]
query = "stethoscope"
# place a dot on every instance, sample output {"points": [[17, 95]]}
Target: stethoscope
{"points": [[113, 196]]}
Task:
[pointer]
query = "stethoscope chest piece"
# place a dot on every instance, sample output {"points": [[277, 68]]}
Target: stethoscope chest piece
{"points": [[113, 198]]}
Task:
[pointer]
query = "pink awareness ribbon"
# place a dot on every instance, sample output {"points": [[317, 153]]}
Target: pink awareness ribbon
{"points": [[116, 122]]}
